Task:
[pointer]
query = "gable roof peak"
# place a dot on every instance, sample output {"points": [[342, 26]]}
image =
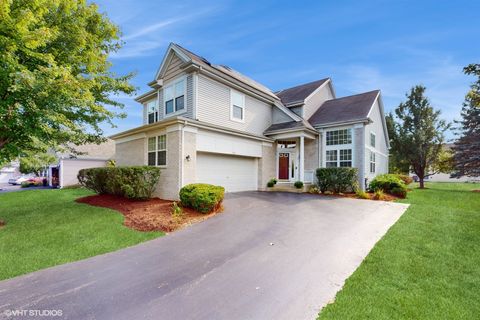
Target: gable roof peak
{"points": [[298, 94]]}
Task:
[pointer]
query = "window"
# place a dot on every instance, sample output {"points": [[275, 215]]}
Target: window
{"points": [[345, 158], [338, 158], [175, 97], [372, 162], [157, 151], [237, 112], [337, 137], [372, 139], [331, 158], [152, 111], [286, 144]]}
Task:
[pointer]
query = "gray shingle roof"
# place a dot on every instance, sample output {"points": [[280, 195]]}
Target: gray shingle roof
{"points": [[227, 70], [299, 93], [345, 109], [289, 125]]}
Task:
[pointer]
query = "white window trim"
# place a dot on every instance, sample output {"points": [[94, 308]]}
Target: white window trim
{"points": [[232, 118], [156, 150], [156, 109], [173, 83]]}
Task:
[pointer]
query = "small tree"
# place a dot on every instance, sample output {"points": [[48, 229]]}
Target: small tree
{"points": [[418, 134], [36, 163], [467, 147], [396, 163]]}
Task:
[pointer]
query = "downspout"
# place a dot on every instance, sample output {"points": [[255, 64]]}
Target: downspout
{"points": [[182, 152]]}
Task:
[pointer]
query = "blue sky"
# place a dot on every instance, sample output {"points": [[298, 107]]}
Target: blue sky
{"points": [[361, 45]]}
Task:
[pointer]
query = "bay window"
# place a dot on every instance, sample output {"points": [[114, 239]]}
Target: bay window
{"points": [[174, 97], [157, 151]]}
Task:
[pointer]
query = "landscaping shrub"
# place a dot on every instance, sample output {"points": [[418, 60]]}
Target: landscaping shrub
{"points": [[274, 180], [386, 182], [136, 182], [406, 179], [298, 184], [361, 194], [378, 195], [336, 179], [313, 190], [202, 197], [399, 192], [270, 184]]}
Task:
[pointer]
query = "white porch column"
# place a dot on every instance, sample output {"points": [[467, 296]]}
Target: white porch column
{"points": [[301, 165]]}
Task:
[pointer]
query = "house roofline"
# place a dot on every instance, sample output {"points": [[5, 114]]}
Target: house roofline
{"points": [[191, 122], [342, 123]]}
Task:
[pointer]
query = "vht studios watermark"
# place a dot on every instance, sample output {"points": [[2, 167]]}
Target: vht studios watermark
{"points": [[33, 313]]}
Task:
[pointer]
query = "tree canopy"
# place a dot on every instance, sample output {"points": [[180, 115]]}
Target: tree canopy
{"points": [[36, 163], [56, 86], [418, 133], [467, 147]]}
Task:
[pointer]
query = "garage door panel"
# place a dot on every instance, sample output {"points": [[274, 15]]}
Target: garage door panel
{"points": [[232, 172]]}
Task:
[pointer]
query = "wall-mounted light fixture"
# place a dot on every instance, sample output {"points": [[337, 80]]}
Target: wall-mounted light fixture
{"points": [[188, 157]]}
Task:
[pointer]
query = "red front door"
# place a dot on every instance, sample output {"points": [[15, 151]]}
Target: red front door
{"points": [[283, 164]]}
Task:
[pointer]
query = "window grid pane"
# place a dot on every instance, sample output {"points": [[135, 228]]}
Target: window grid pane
{"points": [[237, 112], [162, 158], [151, 144], [180, 103], [162, 142], [372, 140], [169, 106], [151, 158], [337, 137]]}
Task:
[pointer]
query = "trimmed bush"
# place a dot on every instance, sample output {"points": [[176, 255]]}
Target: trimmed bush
{"points": [[270, 184], [298, 184], [386, 182], [202, 197], [406, 179], [399, 192], [336, 179], [136, 182]]}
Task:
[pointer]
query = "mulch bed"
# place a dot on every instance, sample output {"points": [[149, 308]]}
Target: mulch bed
{"points": [[2, 223], [148, 215], [387, 197], [477, 190]]}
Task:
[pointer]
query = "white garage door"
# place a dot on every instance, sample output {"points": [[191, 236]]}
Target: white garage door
{"points": [[232, 172]]}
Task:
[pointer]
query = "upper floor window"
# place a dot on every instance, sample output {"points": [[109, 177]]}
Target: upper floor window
{"points": [[175, 97], [372, 139], [157, 151], [337, 137], [152, 111], [237, 111]]}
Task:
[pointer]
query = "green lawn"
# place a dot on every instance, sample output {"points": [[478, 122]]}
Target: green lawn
{"points": [[426, 267], [47, 227]]}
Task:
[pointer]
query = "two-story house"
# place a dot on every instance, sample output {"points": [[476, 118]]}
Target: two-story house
{"points": [[208, 123]]}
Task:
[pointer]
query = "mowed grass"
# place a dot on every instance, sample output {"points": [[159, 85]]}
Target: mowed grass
{"points": [[47, 227], [426, 267]]}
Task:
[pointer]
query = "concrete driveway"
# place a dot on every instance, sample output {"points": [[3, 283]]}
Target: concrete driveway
{"points": [[268, 256]]}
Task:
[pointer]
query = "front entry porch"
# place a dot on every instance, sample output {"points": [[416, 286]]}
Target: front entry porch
{"points": [[290, 159]]}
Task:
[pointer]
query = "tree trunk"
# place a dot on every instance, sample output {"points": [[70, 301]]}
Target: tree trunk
{"points": [[422, 183]]}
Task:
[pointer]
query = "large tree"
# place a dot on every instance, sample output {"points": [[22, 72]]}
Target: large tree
{"points": [[396, 162], [418, 133], [56, 86], [467, 147]]}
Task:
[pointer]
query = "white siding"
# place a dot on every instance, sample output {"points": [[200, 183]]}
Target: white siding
{"points": [[278, 116], [214, 107], [381, 149], [315, 101], [69, 169], [173, 69]]}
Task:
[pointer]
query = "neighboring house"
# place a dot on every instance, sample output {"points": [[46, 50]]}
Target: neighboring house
{"points": [[10, 171], [64, 172], [208, 123]]}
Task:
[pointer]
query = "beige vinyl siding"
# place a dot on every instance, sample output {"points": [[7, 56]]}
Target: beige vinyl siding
{"points": [[278, 116], [173, 69], [69, 169], [214, 107], [189, 97], [315, 101], [298, 111]]}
